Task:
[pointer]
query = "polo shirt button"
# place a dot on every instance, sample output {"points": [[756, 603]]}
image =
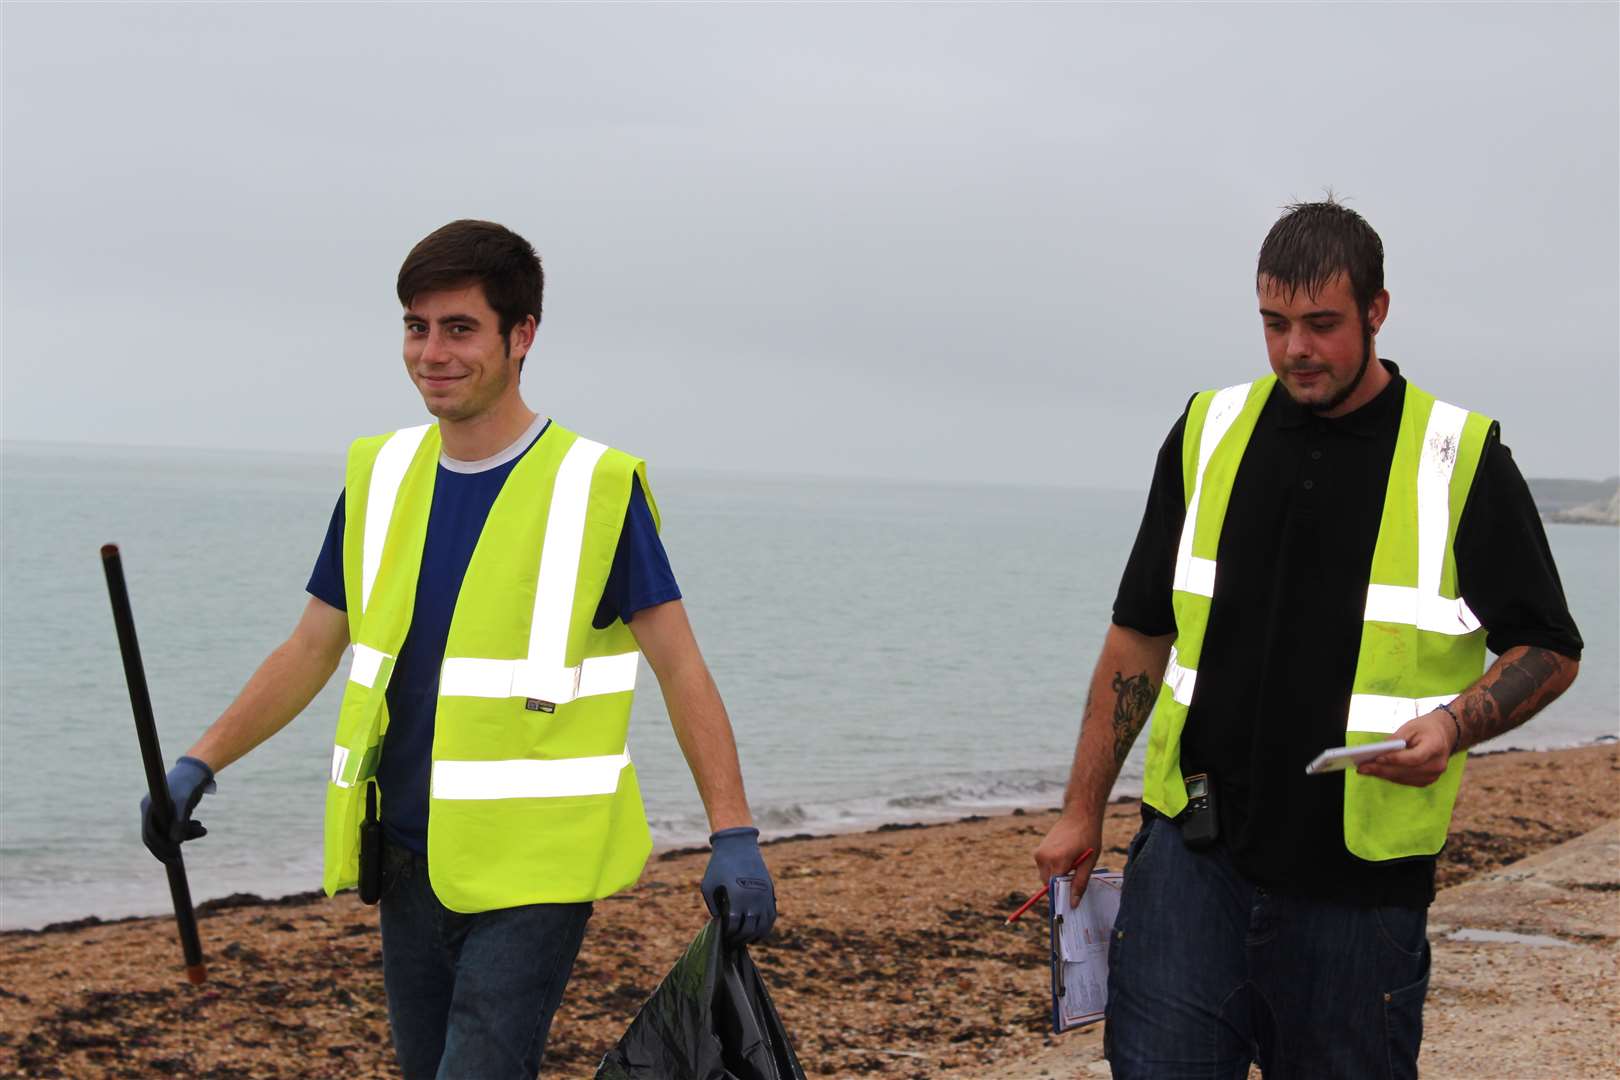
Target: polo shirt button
{"points": [[1316, 455], [1309, 484]]}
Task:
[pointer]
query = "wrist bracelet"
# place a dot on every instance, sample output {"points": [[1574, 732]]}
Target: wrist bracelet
{"points": [[1456, 724]]}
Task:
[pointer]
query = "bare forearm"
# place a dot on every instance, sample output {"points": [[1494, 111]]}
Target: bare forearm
{"points": [[279, 690], [1123, 689], [704, 732], [695, 711], [1523, 681]]}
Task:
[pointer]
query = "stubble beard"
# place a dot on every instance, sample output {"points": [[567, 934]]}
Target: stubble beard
{"points": [[1350, 387]]}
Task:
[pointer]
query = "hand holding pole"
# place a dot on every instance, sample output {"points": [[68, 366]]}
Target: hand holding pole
{"points": [[152, 756]]}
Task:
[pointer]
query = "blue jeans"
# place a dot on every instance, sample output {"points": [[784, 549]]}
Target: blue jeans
{"points": [[1207, 973], [471, 996]]}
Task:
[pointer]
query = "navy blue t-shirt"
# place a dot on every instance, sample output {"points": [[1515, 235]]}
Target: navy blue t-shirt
{"points": [[641, 578]]}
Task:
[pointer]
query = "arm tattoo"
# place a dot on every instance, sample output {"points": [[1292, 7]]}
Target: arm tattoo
{"points": [[1131, 709], [1520, 684]]}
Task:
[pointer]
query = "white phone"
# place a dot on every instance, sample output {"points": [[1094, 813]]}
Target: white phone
{"points": [[1344, 757]]}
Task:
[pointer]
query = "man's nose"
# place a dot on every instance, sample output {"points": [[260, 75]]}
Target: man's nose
{"points": [[433, 348], [1299, 343]]}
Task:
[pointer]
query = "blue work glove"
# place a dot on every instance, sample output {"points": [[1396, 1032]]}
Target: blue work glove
{"points": [[187, 781], [737, 872]]}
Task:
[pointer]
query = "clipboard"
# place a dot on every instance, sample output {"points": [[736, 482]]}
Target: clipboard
{"points": [[1080, 938]]}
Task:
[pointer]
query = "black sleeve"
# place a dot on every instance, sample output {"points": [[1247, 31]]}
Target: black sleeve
{"points": [[1143, 601], [1504, 567]]}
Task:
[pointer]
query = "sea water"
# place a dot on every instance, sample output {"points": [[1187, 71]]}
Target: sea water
{"points": [[887, 652]]}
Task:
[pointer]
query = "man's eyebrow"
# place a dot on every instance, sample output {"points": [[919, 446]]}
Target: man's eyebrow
{"points": [[443, 320], [1322, 313]]}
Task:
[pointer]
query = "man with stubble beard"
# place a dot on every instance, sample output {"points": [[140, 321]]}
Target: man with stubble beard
{"points": [[1326, 555]]}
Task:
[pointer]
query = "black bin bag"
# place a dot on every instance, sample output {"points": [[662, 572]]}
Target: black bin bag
{"points": [[710, 1019]]}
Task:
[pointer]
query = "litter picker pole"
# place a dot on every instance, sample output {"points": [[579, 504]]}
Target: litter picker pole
{"points": [[151, 756]]}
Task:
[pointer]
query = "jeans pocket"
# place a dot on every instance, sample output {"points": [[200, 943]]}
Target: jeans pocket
{"points": [[396, 867], [1403, 1024], [1133, 851], [1404, 929]]}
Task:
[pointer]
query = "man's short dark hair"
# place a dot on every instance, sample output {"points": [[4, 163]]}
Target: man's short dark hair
{"points": [[1312, 243], [464, 252]]}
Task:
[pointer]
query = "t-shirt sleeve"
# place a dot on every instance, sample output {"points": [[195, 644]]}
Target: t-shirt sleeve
{"points": [[1505, 568], [1143, 602], [641, 576], [326, 580]]}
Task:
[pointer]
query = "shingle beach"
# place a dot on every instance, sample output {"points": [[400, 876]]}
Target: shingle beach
{"points": [[890, 957]]}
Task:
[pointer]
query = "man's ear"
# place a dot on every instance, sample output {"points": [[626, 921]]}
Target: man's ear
{"points": [[1378, 310], [521, 337]]}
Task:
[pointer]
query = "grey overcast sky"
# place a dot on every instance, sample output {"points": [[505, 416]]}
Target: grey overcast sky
{"points": [[998, 242]]}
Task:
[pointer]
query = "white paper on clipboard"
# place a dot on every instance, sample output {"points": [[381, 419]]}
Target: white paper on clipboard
{"points": [[1080, 939]]}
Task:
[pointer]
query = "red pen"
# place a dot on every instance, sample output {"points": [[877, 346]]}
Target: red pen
{"points": [[1032, 901]]}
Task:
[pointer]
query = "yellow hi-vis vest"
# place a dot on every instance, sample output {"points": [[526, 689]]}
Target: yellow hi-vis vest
{"points": [[532, 796], [1420, 644]]}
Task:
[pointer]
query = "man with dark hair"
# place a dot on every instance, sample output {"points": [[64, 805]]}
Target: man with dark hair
{"points": [[497, 578], [1326, 554], [462, 251]]}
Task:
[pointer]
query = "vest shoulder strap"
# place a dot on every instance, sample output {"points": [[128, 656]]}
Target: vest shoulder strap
{"points": [[1210, 416]]}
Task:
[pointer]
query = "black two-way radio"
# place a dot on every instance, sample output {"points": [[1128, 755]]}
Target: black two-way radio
{"points": [[1200, 826]]}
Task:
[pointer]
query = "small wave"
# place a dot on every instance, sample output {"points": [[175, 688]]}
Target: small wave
{"points": [[993, 792], [784, 817], [689, 828], [939, 800]]}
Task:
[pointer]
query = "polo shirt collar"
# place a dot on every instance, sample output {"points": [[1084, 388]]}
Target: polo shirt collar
{"points": [[1378, 415]]}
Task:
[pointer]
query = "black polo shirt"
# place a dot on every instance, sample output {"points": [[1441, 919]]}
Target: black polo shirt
{"points": [[1279, 655]]}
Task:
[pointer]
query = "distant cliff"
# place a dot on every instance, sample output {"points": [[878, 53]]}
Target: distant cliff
{"points": [[1578, 502]]}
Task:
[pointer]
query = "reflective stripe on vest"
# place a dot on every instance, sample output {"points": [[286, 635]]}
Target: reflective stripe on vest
{"points": [[1385, 715], [1419, 647], [1180, 680], [1217, 421], [1423, 607], [364, 768], [543, 676], [365, 662], [386, 476], [528, 778], [1193, 574], [532, 795]]}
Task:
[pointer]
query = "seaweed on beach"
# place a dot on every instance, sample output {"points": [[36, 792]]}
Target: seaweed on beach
{"points": [[891, 957]]}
